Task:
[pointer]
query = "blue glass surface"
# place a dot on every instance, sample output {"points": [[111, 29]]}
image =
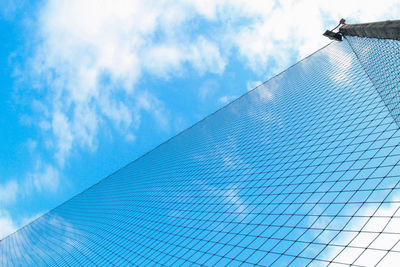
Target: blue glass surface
{"points": [[302, 170]]}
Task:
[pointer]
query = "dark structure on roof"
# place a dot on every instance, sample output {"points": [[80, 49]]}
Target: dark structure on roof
{"points": [[382, 30]]}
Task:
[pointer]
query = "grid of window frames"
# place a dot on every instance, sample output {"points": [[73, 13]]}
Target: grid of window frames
{"points": [[303, 169], [380, 59]]}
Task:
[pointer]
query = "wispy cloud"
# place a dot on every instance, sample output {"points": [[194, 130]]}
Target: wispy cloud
{"points": [[7, 225], [294, 28], [226, 98], [91, 55], [8, 8], [8, 192], [45, 178], [208, 89], [253, 84], [13, 190], [373, 233]]}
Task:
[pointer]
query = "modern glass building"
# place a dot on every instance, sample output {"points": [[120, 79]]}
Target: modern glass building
{"points": [[303, 169]]}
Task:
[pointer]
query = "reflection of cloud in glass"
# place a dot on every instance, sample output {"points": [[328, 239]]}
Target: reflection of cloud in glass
{"points": [[369, 237], [231, 195], [342, 61], [48, 238]]}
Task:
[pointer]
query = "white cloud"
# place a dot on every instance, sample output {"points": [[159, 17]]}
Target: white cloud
{"points": [[62, 131], [7, 225], [207, 89], [168, 59], [91, 54], [31, 144], [146, 101], [8, 192], [45, 178], [253, 84], [297, 27], [373, 231], [28, 220], [226, 99]]}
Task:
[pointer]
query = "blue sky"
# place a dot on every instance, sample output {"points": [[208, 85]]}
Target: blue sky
{"points": [[88, 86]]}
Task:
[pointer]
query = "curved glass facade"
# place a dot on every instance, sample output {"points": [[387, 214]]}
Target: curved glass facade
{"points": [[304, 169]]}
